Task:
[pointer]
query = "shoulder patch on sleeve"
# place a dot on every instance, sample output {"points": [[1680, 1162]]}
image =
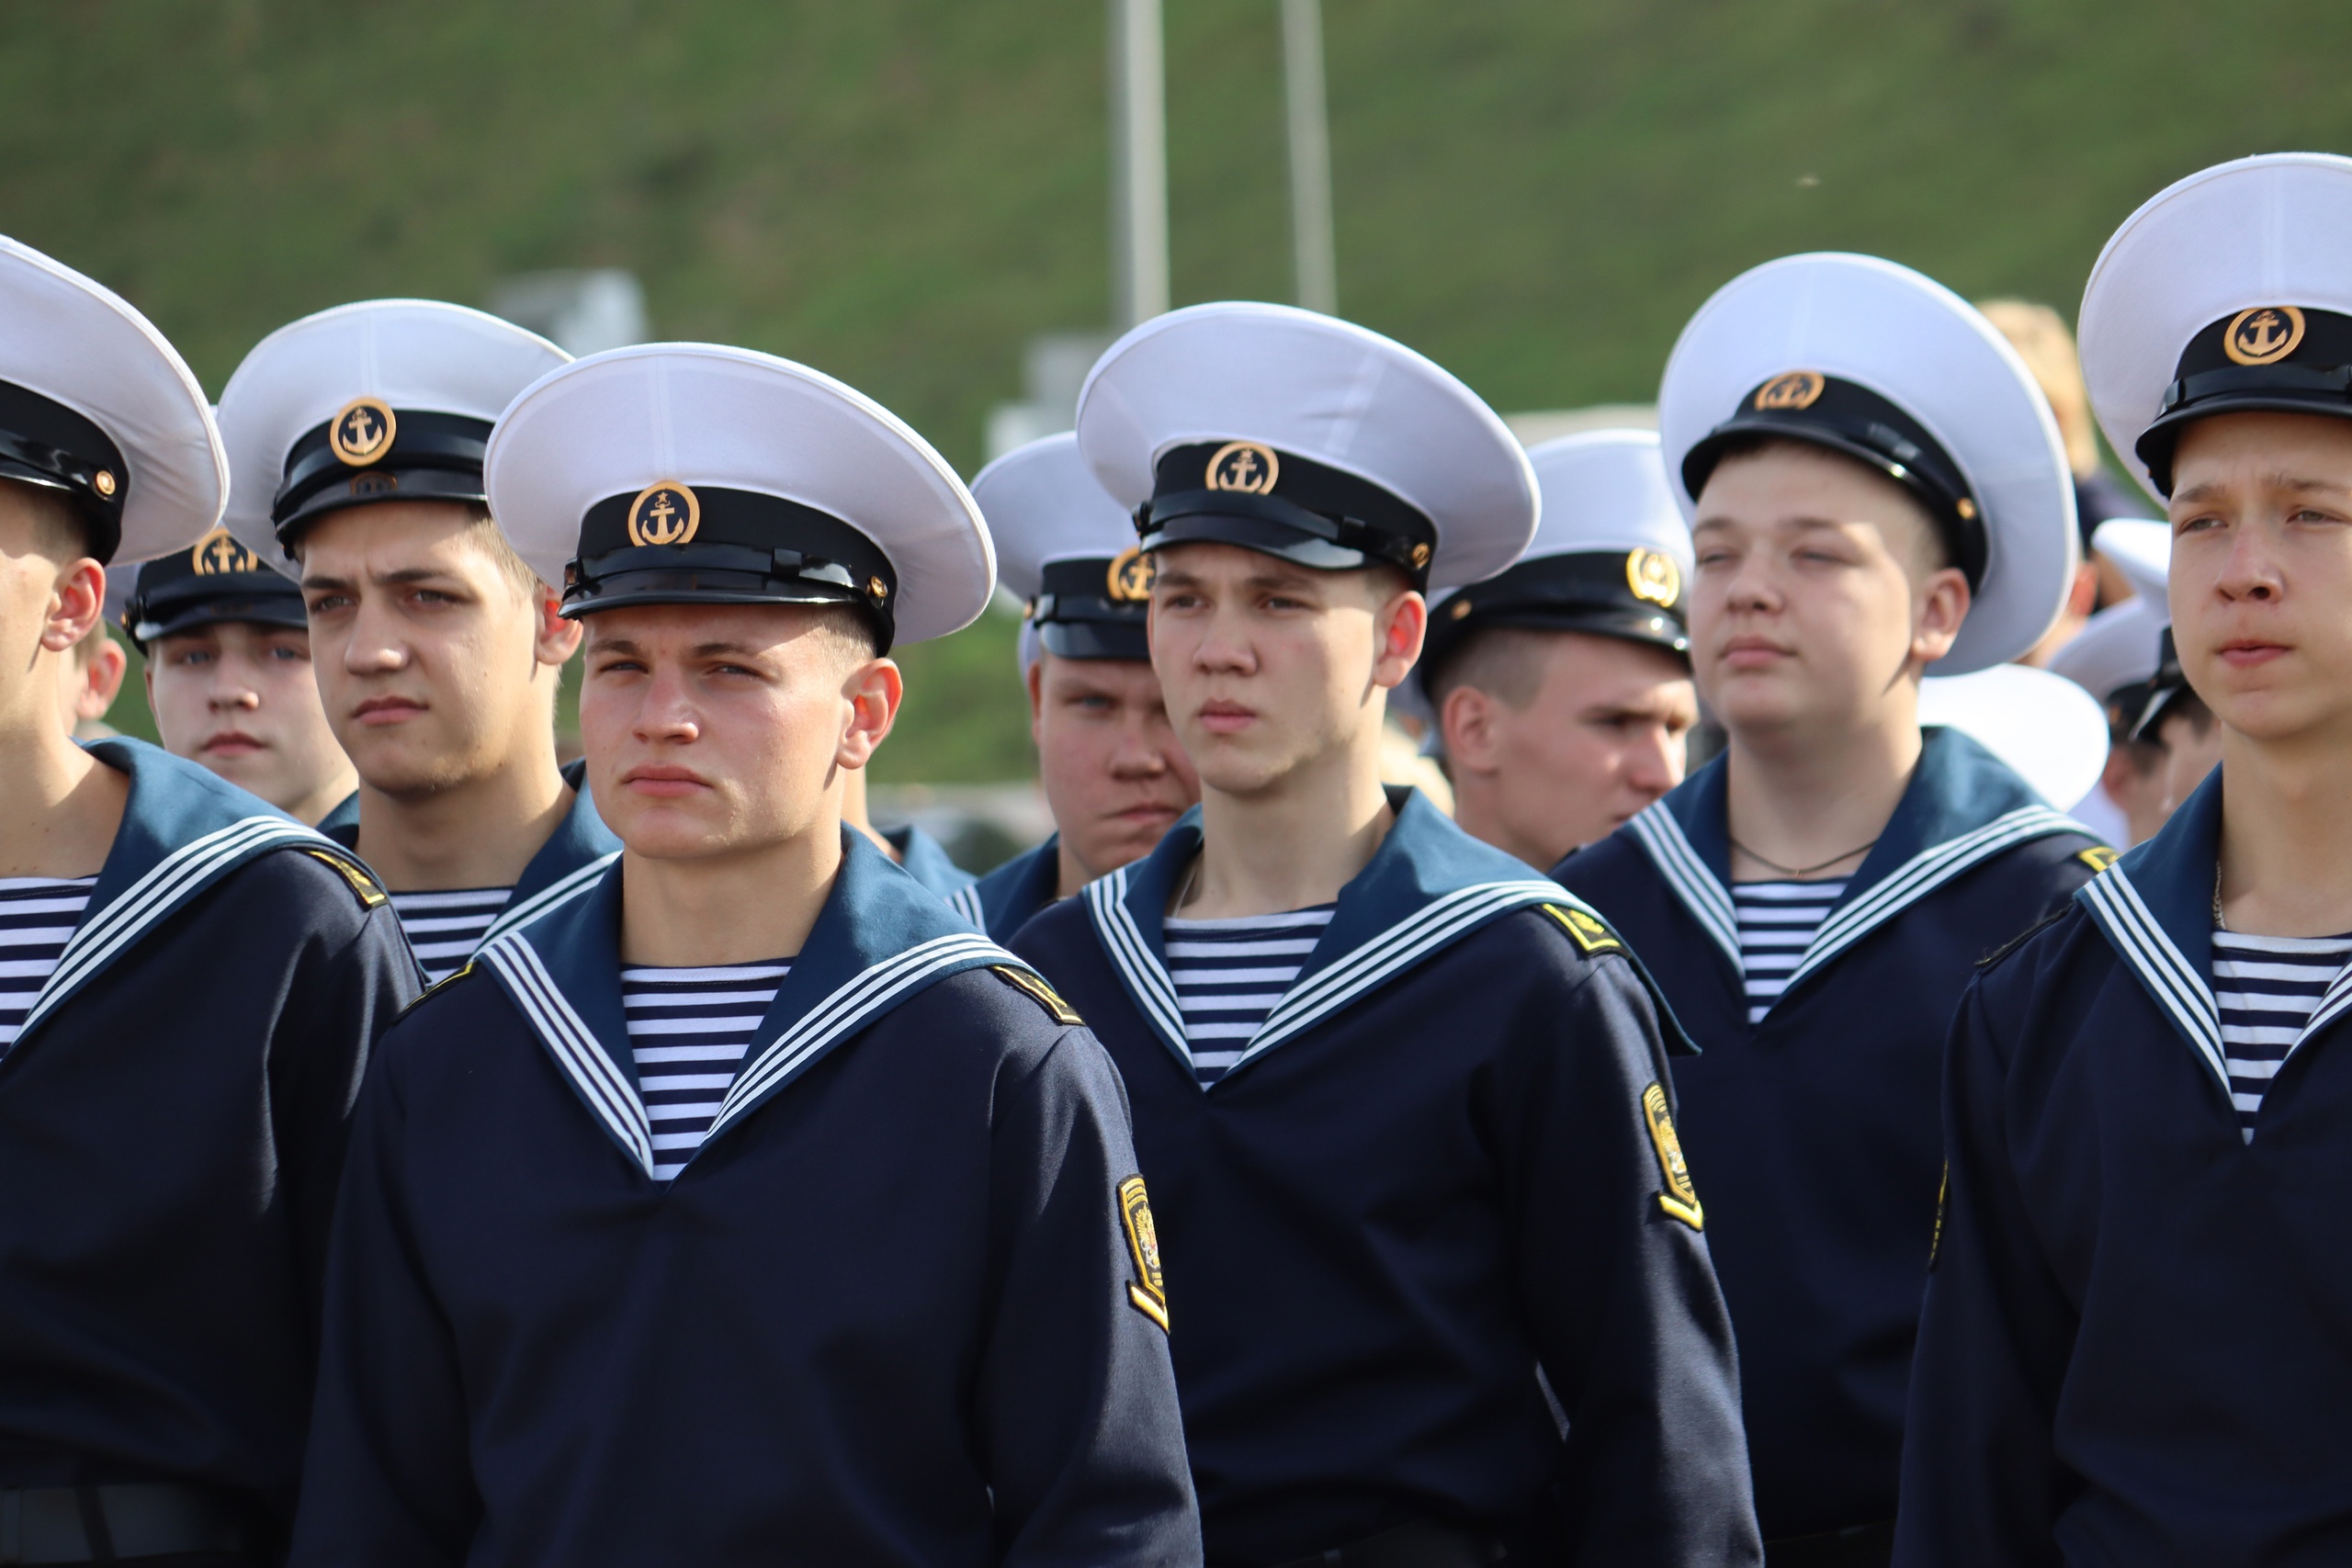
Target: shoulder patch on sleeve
{"points": [[1033, 986], [1681, 1200], [451, 978], [372, 893], [1147, 1292], [2099, 857], [1588, 931]]}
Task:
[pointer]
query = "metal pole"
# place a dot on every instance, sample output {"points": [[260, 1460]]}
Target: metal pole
{"points": [[1310, 157], [1138, 164]]}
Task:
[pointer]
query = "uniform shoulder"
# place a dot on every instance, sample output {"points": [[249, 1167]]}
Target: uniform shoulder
{"points": [[2065, 938], [308, 879], [1602, 860], [1053, 929]]}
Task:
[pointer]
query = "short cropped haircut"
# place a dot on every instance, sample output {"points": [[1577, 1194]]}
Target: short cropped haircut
{"points": [[1505, 662]]}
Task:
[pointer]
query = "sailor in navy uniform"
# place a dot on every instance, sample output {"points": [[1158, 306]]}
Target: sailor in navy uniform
{"points": [[2114, 657], [2133, 1346], [193, 983], [356, 436], [1108, 760], [1440, 1289], [1878, 492], [227, 645], [1560, 687], [751, 1207]]}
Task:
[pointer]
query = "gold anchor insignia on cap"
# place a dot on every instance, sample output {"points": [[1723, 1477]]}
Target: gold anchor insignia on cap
{"points": [[1243, 467], [1794, 390], [363, 432], [2264, 335], [217, 553], [1128, 582], [1653, 577], [664, 513]]}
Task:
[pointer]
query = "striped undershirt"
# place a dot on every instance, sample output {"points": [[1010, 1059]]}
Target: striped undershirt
{"points": [[444, 929], [1229, 974], [2266, 987], [38, 915], [689, 1030], [1777, 922]]}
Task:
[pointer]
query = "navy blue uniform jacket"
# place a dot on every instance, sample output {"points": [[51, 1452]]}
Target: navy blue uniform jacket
{"points": [[1814, 1134], [564, 867], [1010, 897], [172, 1124], [923, 858], [889, 1313], [2137, 1346], [1430, 1173]]}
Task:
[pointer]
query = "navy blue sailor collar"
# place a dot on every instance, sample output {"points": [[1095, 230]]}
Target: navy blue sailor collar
{"points": [[1428, 885], [880, 940], [183, 828], [2155, 906], [575, 854], [1962, 806], [1003, 900]]}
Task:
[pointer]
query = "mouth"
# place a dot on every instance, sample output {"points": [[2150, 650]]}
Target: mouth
{"points": [[231, 743], [1225, 718], [1147, 815], [2244, 653], [386, 710], [663, 780], [1751, 652]]}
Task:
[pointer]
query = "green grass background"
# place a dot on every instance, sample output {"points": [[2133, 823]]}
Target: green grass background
{"points": [[900, 192]]}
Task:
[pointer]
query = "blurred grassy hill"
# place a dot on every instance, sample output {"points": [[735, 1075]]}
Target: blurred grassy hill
{"points": [[1535, 192]]}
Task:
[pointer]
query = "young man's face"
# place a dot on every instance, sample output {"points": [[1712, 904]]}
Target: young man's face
{"points": [[1816, 593], [2262, 572], [1267, 666], [1114, 772], [238, 698], [1600, 737], [430, 656], [723, 729]]}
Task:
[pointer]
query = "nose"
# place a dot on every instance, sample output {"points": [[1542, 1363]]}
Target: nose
{"points": [[374, 647], [665, 713]]}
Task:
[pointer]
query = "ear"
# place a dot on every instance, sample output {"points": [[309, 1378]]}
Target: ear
{"points": [[1466, 721], [76, 602], [1399, 626], [554, 639], [1035, 678], [872, 693], [108, 667], [1939, 608], [2084, 598]]}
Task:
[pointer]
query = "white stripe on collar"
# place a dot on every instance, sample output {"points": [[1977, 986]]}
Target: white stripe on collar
{"points": [[607, 1089], [553, 896], [1328, 990], [1707, 900], [2132, 930], [167, 885], [966, 902]]}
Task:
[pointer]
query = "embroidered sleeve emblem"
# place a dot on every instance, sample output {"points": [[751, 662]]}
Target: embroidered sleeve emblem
{"points": [[1681, 1200], [1589, 934], [2099, 857], [370, 896], [1147, 1293], [1033, 986]]}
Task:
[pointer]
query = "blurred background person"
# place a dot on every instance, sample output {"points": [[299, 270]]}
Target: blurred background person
{"points": [[228, 652], [2114, 658], [1560, 686]]}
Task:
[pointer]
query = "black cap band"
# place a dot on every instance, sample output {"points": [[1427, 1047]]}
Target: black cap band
{"points": [[1245, 493], [216, 581], [1821, 411], [1632, 595], [739, 546], [2268, 359], [1094, 607], [430, 456], [47, 445]]}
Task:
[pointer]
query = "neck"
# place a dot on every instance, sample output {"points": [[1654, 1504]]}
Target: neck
{"points": [[64, 804], [1820, 796], [729, 909], [480, 833], [1291, 845], [1478, 810], [2286, 840], [314, 806]]}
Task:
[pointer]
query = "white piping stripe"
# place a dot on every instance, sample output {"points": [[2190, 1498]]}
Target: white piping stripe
{"points": [[554, 895], [1146, 977], [166, 884], [2133, 931], [1708, 900], [603, 1085], [966, 902], [2331, 1006]]}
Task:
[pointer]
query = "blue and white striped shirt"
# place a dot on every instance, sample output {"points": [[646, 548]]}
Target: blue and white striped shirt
{"points": [[1230, 973], [444, 929], [689, 1030], [2266, 987], [1777, 923], [38, 915]]}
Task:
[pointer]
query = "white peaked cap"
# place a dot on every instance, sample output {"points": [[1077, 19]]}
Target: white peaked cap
{"points": [[2272, 229], [2116, 649], [703, 414], [1607, 489], [2141, 551], [1923, 348], [1042, 506], [1324, 389], [80, 344], [423, 355], [2050, 731]]}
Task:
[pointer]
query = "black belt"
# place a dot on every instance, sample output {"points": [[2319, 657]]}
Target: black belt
{"points": [[1864, 1546], [1424, 1543], [118, 1523]]}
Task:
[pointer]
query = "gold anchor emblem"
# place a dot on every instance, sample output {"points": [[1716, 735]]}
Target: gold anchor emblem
{"points": [[1243, 467], [1796, 390], [217, 553], [664, 513], [363, 432], [2264, 335], [1653, 577], [1129, 580]]}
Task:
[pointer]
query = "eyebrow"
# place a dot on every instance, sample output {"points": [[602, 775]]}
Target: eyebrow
{"points": [[627, 646], [405, 578], [2296, 482], [1704, 523]]}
